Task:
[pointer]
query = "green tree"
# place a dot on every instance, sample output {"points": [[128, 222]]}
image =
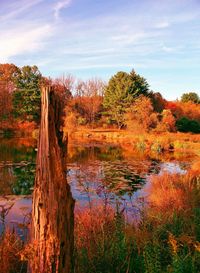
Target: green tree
{"points": [[191, 96], [139, 85], [120, 92], [26, 98]]}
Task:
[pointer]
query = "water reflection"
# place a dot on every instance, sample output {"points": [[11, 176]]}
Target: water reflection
{"points": [[106, 175], [98, 174], [15, 213], [17, 158], [24, 179]]}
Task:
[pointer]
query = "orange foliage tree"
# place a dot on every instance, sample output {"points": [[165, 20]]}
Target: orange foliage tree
{"points": [[140, 115], [189, 110], [167, 122], [8, 73], [88, 98], [64, 85]]}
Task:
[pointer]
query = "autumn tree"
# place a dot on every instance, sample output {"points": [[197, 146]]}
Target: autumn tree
{"points": [[191, 96], [187, 115], [27, 95], [140, 115], [167, 122], [8, 74], [120, 92], [64, 85], [188, 109], [88, 98], [158, 101]]}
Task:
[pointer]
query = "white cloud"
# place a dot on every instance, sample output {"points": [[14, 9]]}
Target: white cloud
{"points": [[129, 38], [167, 49], [20, 41], [59, 6], [78, 66], [16, 10], [162, 24]]}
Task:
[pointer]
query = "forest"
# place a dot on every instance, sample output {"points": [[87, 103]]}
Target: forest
{"points": [[124, 102]]}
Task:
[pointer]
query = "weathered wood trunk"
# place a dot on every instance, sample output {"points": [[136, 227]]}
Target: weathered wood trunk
{"points": [[53, 205]]}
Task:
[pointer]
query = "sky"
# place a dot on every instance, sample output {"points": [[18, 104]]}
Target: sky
{"points": [[160, 39]]}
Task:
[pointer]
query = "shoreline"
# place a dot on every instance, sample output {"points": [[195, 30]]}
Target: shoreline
{"points": [[145, 141]]}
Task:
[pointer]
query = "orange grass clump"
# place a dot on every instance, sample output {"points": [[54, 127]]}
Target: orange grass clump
{"points": [[173, 193], [92, 226]]}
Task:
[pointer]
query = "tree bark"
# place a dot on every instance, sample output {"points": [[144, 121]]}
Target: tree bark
{"points": [[53, 205]]}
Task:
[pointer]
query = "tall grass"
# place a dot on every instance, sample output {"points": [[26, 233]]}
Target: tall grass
{"points": [[167, 238], [100, 241]]}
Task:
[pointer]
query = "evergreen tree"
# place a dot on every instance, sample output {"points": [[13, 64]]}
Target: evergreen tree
{"points": [[139, 85], [121, 91], [26, 98]]}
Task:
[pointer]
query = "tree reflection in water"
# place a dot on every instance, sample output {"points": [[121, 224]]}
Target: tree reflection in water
{"points": [[98, 173], [103, 175], [17, 158], [24, 179]]}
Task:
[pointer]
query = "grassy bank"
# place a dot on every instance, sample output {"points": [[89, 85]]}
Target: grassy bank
{"points": [[145, 141]]}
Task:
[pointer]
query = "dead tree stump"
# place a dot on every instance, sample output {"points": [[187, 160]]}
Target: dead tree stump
{"points": [[53, 205]]}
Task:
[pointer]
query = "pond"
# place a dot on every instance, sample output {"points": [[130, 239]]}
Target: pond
{"points": [[98, 173]]}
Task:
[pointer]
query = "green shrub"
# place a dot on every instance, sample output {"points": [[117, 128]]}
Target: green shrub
{"points": [[186, 125]]}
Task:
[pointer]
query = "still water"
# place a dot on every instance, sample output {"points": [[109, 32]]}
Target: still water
{"points": [[98, 174]]}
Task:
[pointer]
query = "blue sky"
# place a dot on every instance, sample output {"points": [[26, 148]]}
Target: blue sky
{"points": [[160, 39]]}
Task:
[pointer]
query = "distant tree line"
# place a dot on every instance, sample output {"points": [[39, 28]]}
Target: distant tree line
{"points": [[126, 101]]}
